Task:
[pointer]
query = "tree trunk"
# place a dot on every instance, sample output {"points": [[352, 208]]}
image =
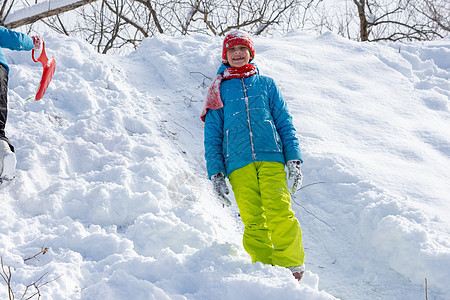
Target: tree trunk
{"points": [[363, 24], [43, 14]]}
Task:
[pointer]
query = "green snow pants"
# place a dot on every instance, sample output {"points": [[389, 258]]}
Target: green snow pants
{"points": [[272, 234]]}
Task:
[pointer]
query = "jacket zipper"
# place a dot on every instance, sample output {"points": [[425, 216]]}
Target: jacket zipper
{"points": [[227, 142], [248, 119]]}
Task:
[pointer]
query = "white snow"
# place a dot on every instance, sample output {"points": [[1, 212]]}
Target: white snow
{"points": [[111, 176]]}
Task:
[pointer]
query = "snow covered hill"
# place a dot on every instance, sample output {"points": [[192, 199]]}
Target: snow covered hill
{"points": [[111, 180]]}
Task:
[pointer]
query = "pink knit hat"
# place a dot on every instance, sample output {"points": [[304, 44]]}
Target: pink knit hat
{"points": [[235, 38]]}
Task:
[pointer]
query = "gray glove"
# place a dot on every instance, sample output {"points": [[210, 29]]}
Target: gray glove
{"points": [[295, 174], [221, 188]]}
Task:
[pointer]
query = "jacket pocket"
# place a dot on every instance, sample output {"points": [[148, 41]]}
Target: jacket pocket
{"points": [[276, 137], [266, 137]]}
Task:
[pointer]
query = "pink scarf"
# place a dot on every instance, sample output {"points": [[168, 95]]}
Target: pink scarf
{"points": [[213, 99]]}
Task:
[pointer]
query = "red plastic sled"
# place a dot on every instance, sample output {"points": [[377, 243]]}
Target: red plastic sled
{"points": [[47, 75]]}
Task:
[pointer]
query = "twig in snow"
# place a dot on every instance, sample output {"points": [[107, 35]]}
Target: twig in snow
{"points": [[203, 84], [43, 251], [7, 275], [305, 186], [7, 278], [190, 99], [184, 129], [37, 286]]}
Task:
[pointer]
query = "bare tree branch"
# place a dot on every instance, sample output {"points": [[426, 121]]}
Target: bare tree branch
{"points": [[48, 13], [115, 25], [4, 14], [148, 4]]}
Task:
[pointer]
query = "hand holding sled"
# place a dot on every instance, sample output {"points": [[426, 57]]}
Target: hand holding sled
{"points": [[47, 75]]}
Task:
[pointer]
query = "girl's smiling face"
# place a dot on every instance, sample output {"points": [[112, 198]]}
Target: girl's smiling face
{"points": [[238, 56]]}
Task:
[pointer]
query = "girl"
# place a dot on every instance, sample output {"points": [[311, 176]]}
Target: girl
{"points": [[249, 137]]}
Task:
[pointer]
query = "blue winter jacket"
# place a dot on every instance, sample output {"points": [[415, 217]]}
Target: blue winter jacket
{"points": [[254, 125], [13, 40]]}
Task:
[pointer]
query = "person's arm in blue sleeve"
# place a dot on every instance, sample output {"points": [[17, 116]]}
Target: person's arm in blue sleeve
{"points": [[15, 40], [284, 124], [213, 139]]}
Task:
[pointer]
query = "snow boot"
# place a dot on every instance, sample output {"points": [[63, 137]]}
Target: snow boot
{"points": [[7, 162], [297, 271]]}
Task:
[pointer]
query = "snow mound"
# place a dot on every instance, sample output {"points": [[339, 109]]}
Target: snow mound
{"points": [[111, 179]]}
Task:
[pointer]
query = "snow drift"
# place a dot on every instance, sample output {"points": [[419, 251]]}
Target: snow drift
{"points": [[111, 177]]}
